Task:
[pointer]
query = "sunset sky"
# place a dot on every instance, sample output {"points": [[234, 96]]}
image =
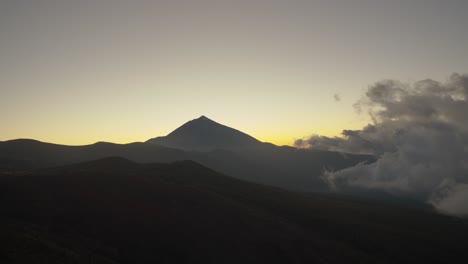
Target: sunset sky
{"points": [[77, 72]]}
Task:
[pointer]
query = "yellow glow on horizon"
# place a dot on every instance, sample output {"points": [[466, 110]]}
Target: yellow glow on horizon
{"points": [[282, 130], [279, 139]]}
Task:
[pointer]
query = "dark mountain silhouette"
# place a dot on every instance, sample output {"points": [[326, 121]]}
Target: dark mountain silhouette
{"points": [[202, 140], [119, 211], [23, 154], [285, 167], [204, 134], [237, 154]]}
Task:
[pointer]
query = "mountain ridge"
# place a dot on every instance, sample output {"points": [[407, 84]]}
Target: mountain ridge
{"points": [[202, 140]]}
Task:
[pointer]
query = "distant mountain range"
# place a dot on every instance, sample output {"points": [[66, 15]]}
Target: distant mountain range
{"points": [[201, 195], [114, 210], [216, 146]]}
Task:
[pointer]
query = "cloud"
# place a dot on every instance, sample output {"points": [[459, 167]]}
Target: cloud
{"points": [[337, 97], [420, 135]]}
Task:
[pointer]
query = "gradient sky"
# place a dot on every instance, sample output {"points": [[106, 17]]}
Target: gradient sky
{"points": [[77, 72]]}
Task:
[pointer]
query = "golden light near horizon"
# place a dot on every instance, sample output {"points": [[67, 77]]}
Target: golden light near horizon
{"points": [[80, 72]]}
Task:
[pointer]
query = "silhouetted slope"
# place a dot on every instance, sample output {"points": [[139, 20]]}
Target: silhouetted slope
{"points": [[285, 167], [185, 213], [204, 134]]}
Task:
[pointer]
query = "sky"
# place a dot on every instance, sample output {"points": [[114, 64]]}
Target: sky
{"points": [[78, 72]]}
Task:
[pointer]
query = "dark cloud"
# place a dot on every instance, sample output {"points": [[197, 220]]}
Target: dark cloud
{"points": [[420, 135], [337, 97]]}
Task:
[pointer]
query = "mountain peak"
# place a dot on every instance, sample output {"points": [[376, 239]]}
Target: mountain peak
{"points": [[204, 119], [204, 134]]}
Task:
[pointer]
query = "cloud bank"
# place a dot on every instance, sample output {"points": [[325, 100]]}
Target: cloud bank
{"points": [[419, 133]]}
